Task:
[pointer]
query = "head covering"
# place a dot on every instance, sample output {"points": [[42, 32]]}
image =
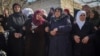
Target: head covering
{"points": [[52, 8], [44, 12], [67, 10], [51, 12], [27, 11], [15, 5], [78, 21], [35, 21], [60, 9]]}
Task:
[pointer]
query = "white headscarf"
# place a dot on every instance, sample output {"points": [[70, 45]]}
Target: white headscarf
{"points": [[27, 11], [78, 21]]}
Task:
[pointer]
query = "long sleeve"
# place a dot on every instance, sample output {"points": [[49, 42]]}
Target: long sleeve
{"points": [[65, 28], [9, 22], [92, 33]]}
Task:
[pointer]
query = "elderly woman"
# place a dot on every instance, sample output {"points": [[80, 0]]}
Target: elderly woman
{"points": [[83, 36], [35, 35], [15, 38], [59, 29]]}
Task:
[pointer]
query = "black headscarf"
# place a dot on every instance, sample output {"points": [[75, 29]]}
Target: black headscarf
{"points": [[15, 5], [61, 11]]}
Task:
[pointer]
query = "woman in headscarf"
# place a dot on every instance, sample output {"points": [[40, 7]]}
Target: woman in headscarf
{"points": [[5, 15], [59, 29], [28, 12], [44, 13], [15, 24], [35, 35], [67, 12], [2, 37], [94, 18], [83, 36], [3, 28]]}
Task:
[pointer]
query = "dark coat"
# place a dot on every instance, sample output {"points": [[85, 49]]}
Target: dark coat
{"points": [[60, 44], [97, 41], [2, 37], [34, 42], [4, 21], [15, 24], [71, 18], [81, 49], [2, 42]]}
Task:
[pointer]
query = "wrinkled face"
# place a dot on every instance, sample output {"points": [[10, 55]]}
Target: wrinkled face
{"points": [[91, 14], [39, 16], [17, 8], [57, 13], [82, 17]]}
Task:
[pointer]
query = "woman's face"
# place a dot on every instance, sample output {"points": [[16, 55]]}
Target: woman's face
{"points": [[65, 13], [82, 17], [17, 8], [57, 13], [39, 16], [91, 14]]}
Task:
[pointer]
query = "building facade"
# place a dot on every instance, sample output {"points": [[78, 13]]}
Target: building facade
{"points": [[46, 4]]}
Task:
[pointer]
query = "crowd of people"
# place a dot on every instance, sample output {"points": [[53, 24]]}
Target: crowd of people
{"points": [[35, 33]]}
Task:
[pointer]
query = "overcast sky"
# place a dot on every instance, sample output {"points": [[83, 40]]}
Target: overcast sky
{"points": [[91, 4], [31, 0]]}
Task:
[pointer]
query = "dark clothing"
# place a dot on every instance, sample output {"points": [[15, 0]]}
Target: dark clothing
{"points": [[95, 21], [81, 49], [60, 44], [15, 24], [45, 17], [2, 42], [2, 37], [5, 23], [49, 16], [71, 19], [34, 41], [97, 41], [2, 20]]}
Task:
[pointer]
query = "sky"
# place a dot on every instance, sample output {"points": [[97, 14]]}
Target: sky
{"points": [[31, 0], [91, 4]]}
